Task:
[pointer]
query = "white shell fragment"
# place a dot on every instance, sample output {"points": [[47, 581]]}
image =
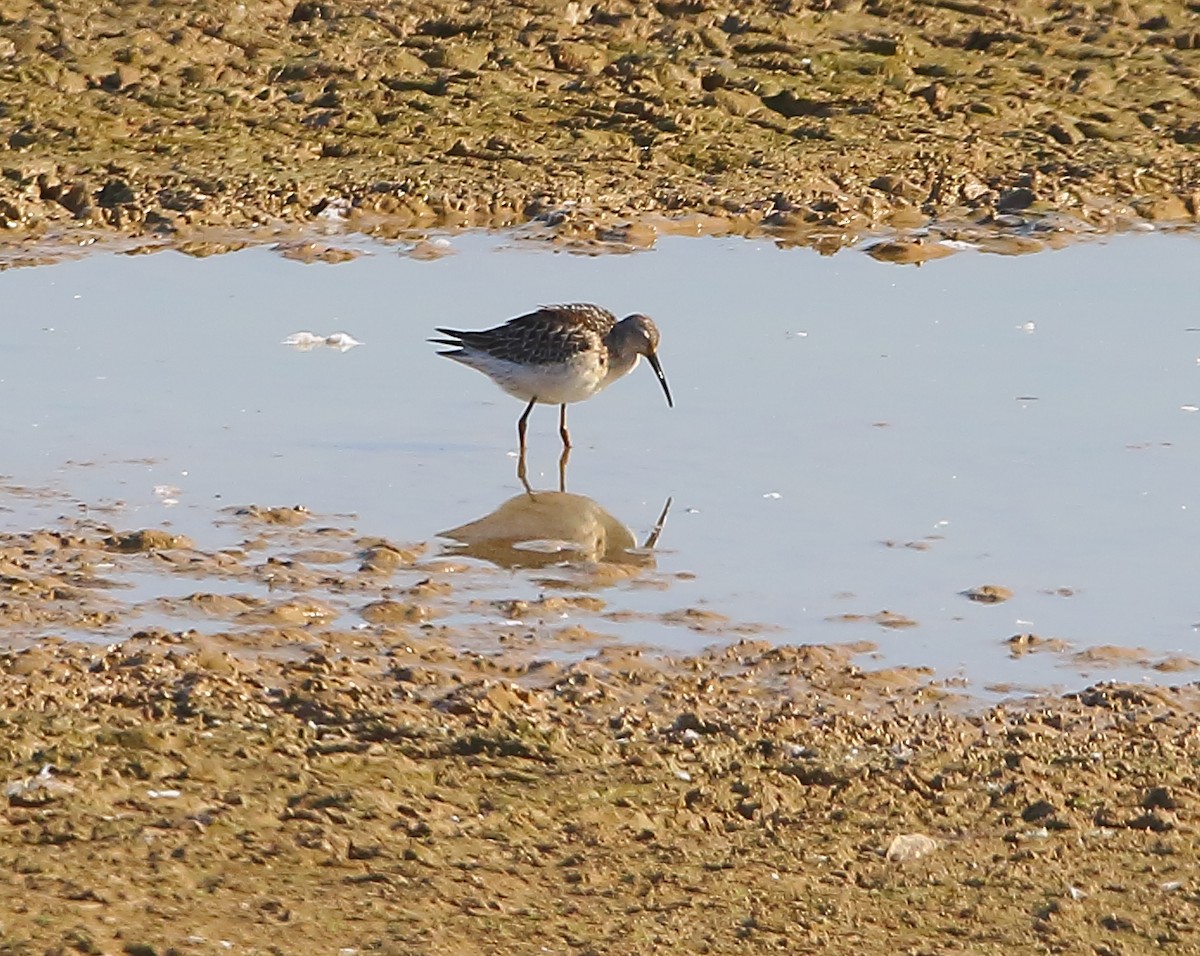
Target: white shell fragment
{"points": [[167, 494], [336, 210], [306, 341], [45, 780], [342, 341]]}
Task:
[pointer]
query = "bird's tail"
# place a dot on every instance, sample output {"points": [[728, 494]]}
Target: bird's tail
{"points": [[454, 340]]}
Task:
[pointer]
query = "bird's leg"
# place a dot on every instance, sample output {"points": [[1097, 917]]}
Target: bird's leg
{"points": [[562, 469], [522, 476], [521, 427], [562, 427]]}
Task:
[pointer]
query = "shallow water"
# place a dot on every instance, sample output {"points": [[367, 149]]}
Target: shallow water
{"points": [[848, 436]]}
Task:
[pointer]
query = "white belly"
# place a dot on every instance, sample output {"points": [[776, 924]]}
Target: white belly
{"points": [[579, 379]]}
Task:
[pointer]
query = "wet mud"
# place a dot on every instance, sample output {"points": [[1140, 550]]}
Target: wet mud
{"points": [[1012, 125], [316, 740]]}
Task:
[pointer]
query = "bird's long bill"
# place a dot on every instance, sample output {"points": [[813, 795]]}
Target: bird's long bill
{"points": [[653, 359]]}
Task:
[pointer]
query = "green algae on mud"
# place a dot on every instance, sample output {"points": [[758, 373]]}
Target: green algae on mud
{"points": [[815, 121]]}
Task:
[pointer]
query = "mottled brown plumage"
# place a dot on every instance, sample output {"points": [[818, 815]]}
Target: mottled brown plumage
{"points": [[547, 336], [557, 354]]}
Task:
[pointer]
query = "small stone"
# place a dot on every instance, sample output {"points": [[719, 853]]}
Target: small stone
{"points": [[893, 620], [456, 56], [579, 58], [122, 78], [292, 613], [394, 612], [149, 539], [289, 517], [1039, 810], [75, 198], [989, 594], [116, 192], [384, 559], [1169, 208], [908, 251], [733, 102], [1012, 200], [910, 846], [935, 94], [1159, 798], [787, 103], [898, 187], [1065, 132]]}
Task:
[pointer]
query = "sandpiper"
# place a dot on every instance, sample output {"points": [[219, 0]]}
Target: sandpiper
{"points": [[556, 355]]}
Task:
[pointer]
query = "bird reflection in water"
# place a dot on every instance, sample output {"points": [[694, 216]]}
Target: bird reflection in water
{"points": [[523, 472], [544, 528]]}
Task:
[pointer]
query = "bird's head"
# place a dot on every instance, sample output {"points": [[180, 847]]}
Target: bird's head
{"points": [[638, 335]]}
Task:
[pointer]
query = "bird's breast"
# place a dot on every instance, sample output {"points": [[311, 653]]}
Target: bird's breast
{"points": [[618, 367]]}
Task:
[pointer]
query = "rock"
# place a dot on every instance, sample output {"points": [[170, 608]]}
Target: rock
{"points": [[456, 56], [116, 192], [881, 45], [907, 217], [988, 594], [936, 95], [384, 559], [899, 188], [394, 612], [1160, 798], [1021, 644], [893, 620], [150, 539], [579, 58], [1038, 810], [908, 251], [910, 846], [1007, 245], [297, 613], [290, 517], [1065, 132], [123, 77], [1013, 200], [74, 198], [220, 605], [787, 103], [733, 102], [1168, 208], [641, 235], [11, 214]]}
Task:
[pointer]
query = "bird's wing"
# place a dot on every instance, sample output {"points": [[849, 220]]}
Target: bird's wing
{"points": [[550, 334]]}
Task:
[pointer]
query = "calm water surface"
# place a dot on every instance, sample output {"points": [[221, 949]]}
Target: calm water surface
{"points": [[848, 436]]}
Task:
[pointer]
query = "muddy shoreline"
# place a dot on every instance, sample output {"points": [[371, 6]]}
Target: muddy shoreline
{"points": [[753, 799], [818, 123], [258, 776]]}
